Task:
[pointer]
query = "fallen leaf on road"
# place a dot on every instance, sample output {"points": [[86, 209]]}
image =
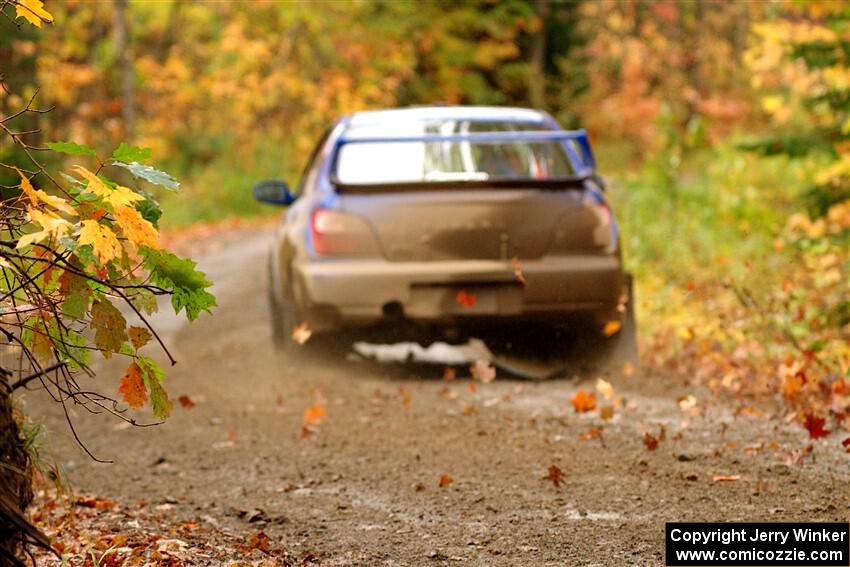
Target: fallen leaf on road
{"points": [[725, 477], [846, 444], [482, 370], [650, 441], [692, 477], [186, 402], [584, 402], [314, 414], [445, 480], [606, 412], [628, 369], [301, 333], [595, 432], [469, 408], [556, 475], [418, 487]]}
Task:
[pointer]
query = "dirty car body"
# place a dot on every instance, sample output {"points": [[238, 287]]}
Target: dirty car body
{"points": [[444, 214]]}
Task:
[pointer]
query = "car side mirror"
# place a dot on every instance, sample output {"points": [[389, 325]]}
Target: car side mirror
{"points": [[274, 192]]}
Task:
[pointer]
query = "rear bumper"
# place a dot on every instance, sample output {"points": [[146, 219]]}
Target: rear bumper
{"points": [[340, 292]]}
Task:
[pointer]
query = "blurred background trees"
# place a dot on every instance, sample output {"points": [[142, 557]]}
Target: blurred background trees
{"points": [[722, 126]]}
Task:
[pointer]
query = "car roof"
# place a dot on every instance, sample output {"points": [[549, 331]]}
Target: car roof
{"points": [[438, 113]]}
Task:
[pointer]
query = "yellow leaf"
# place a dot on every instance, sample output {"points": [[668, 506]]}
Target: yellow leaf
{"points": [[137, 230], [115, 197], [102, 239], [36, 195], [52, 225], [33, 11]]}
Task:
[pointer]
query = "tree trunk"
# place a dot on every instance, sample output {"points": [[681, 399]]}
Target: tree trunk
{"points": [[125, 64], [537, 83], [15, 482]]}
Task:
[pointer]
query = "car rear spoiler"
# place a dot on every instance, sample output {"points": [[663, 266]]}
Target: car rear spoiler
{"points": [[575, 143]]}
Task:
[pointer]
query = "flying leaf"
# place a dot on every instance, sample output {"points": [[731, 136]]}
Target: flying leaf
{"points": [[133, 387], [127, 153], [465, 299], [815, 425], [301, 333], [482, 370], [584, 402], [186, 402], [36, 195], [315, 414], [115, 197], [139, 336], [71, 148], [33, 11], [102, 240], [150, 174], [52, 225], [518, 271], [137, 230], [605, 388], [153, 376], [109, 326], [556, 475], [445, 480], [180, 276], [611, 328]]}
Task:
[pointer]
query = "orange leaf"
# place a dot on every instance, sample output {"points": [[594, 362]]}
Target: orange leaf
{"points": [[595, 432], [725, 477], [133, 387], [650, 442], [611, 328], [445, 480], [584, 401], [465, 298], [314, 414]]}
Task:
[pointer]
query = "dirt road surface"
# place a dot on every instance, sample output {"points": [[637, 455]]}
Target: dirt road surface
{"points": [[363, 488]]}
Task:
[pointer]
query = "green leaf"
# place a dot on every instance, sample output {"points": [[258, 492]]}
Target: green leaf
{"points": [[150, 174], [72, 148], [179, 276], [127, 153], [72, 349], [817, 345], [153, 376], [77, 295], [110, 327]]}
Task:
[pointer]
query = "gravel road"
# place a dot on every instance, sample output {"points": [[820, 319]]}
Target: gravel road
{"points": [[363, 488]]}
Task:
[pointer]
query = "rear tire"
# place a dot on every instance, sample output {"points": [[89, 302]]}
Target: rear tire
{"points": [[282, 318]]}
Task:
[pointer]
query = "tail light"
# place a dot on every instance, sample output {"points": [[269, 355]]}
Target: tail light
{"points": [[341, 234]]}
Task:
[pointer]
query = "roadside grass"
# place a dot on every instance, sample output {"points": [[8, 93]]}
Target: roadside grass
{"points": [[738, 288]]}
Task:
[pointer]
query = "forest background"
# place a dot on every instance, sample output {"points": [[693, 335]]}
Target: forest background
{"points": [[723, 129]]}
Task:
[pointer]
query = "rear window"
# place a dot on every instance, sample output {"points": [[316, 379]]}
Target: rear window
{"points": [[382, 162]]}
